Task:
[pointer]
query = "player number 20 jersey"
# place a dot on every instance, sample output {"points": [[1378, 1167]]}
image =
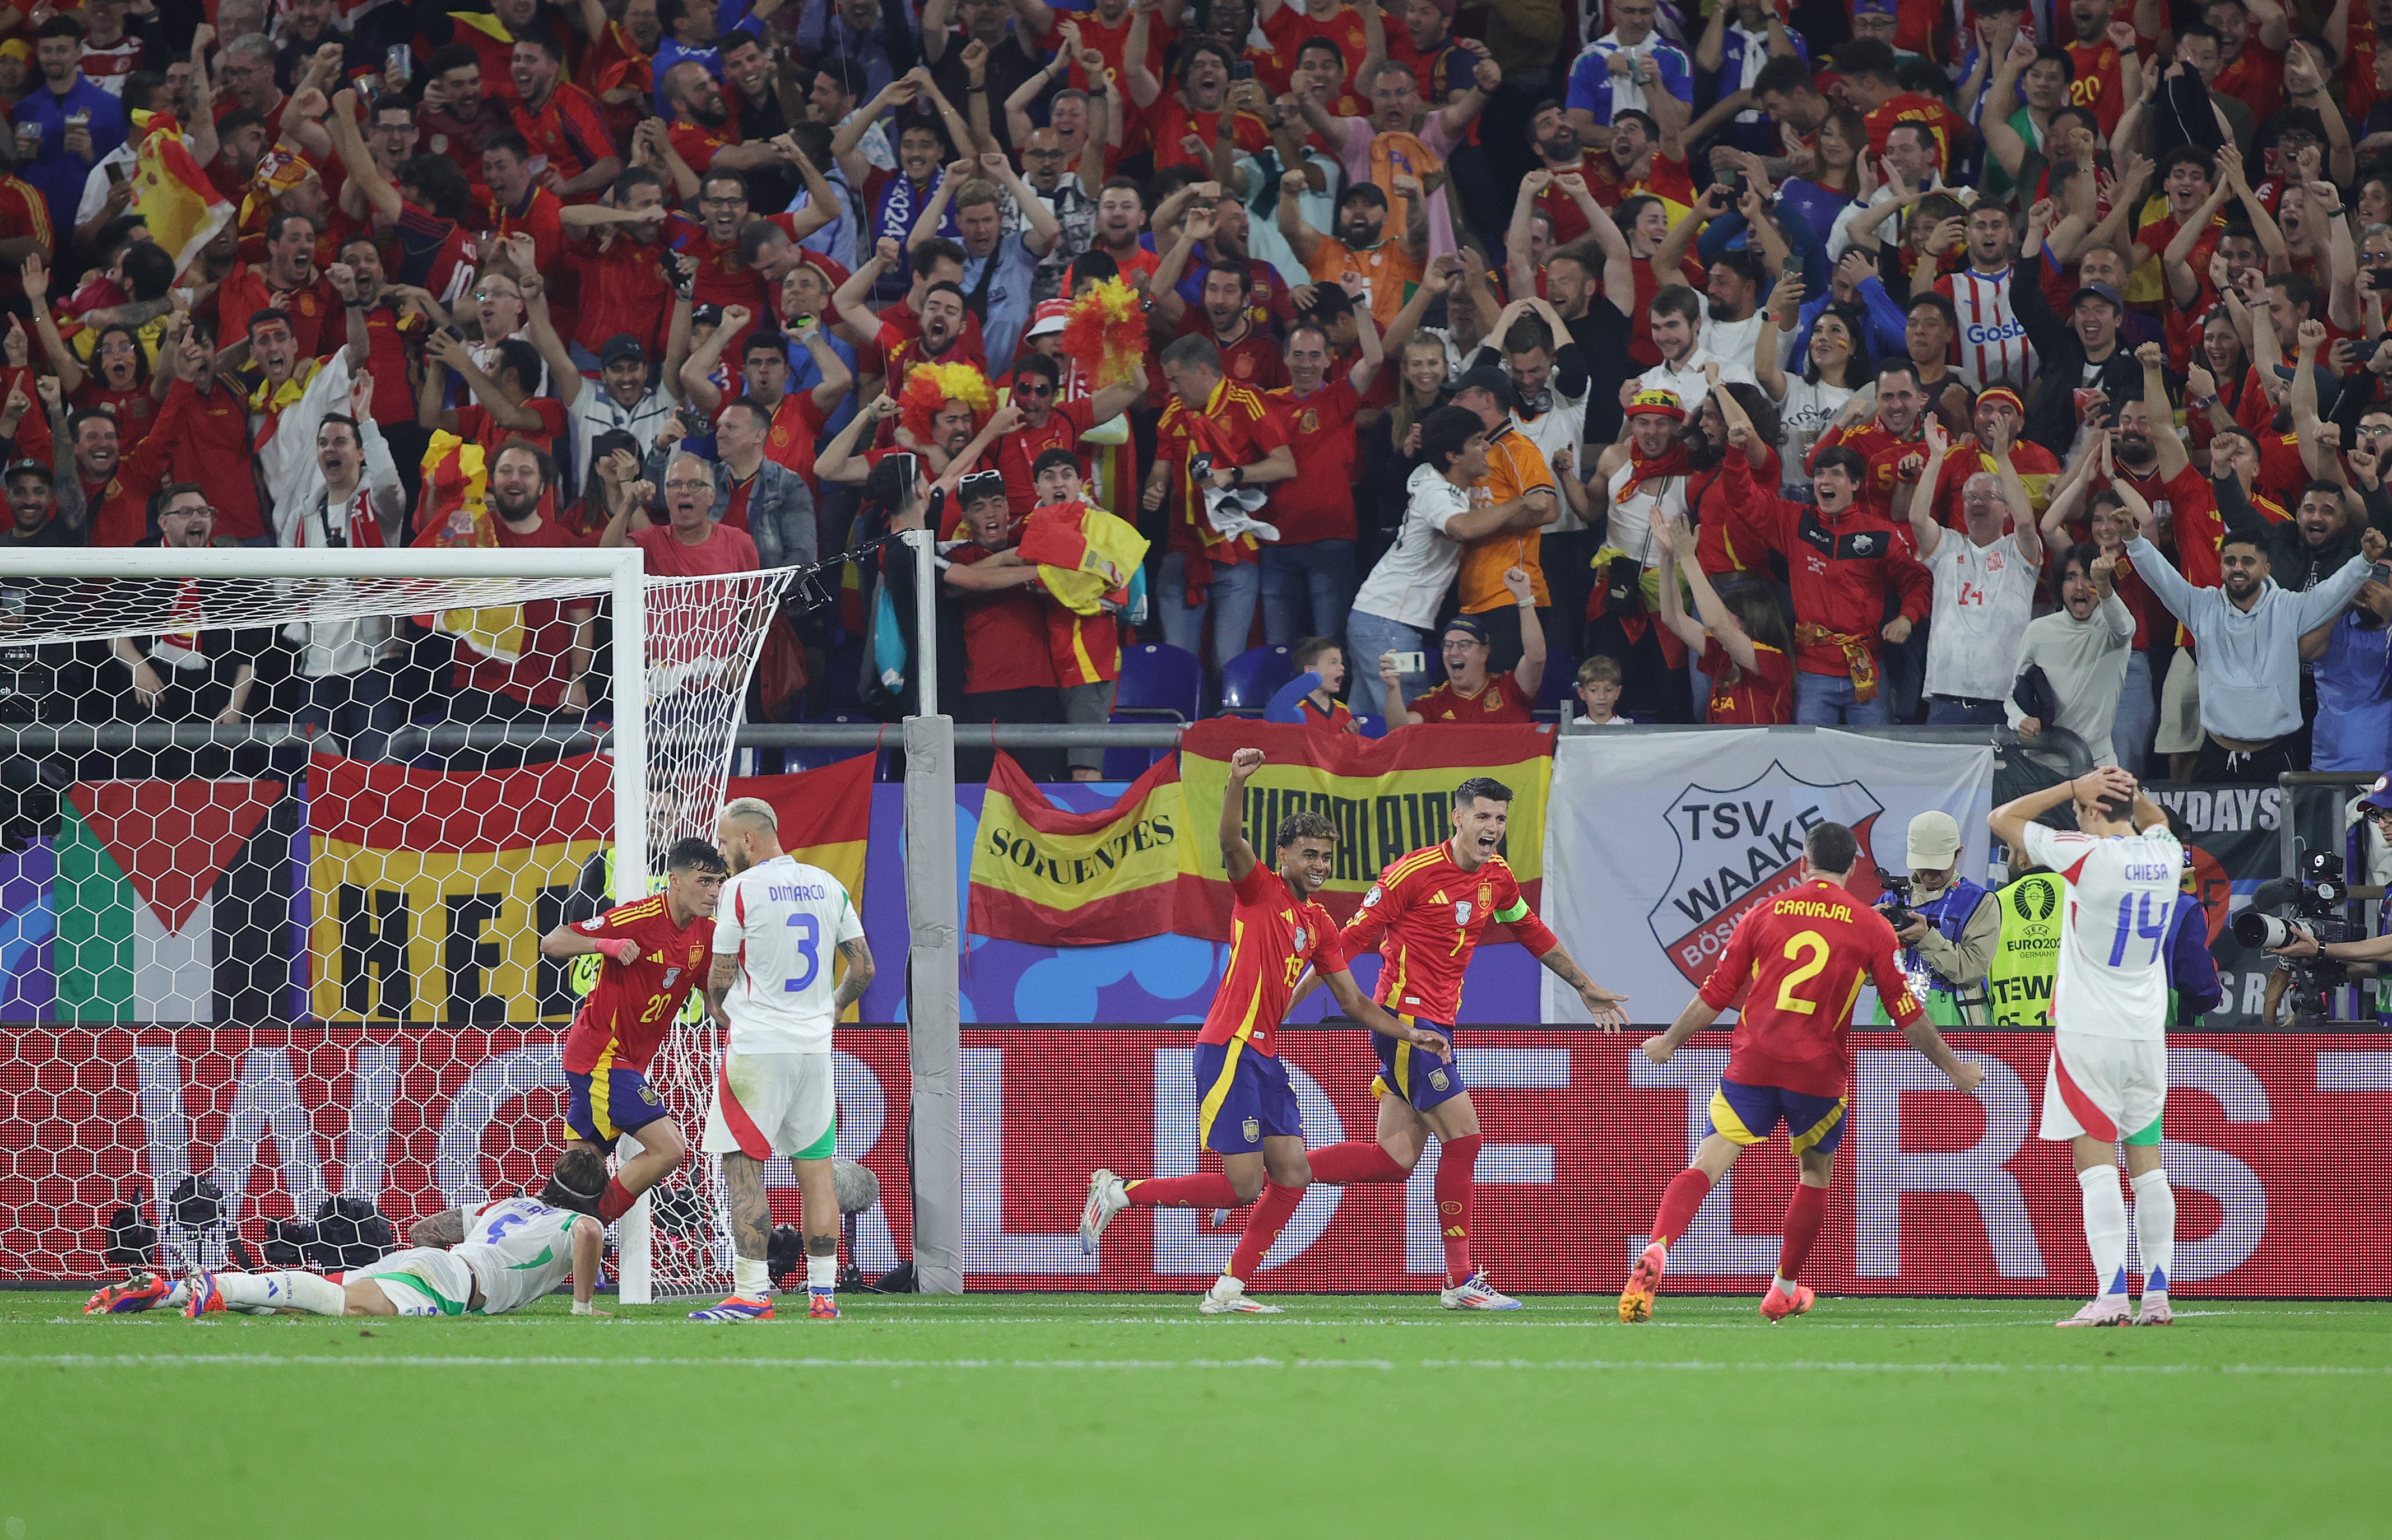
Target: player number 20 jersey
{"points": [[783, 921], [2112, 976], [519, 1249]]}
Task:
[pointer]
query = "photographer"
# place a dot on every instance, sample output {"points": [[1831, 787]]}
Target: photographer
{"points": [[2371, 952], [1950, 937]]}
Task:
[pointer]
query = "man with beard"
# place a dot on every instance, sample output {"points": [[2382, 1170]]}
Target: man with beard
{"points": [[1121, 214], [998, 267], [939, 338], [700, 132], [2083, 648], [287, 280], [931, 263], [992, 72], [1844, 564], [2251, 68], [1387, 269], [361, 507], [1740, 41], [1559, 154], [1213, 436], [1008, 668], [1643, 479], [425, 205], [2084, 369], [1997, 418], [1425, 43], [795, 418], [550, 672], [518, 204], [558, 120], [188, 670], [612, 253], [1225, 310], [1675, 320], [689, 35], [1221, 239], [1198, 124], [2249, 633], [505, 405], [948, 452], [456, 116], [1640, 159], [1984, 586], [711, 240]]}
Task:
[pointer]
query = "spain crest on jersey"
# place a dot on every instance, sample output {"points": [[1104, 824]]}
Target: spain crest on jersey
{"points": [[1740, 847]]}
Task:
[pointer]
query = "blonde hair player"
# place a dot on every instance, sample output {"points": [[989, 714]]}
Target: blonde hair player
{"points": [[771, 990]]}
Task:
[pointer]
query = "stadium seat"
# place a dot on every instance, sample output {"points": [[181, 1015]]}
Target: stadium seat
{"points": [[1250, 680], [1557, 689], [1370, 727], [1159, 683]]}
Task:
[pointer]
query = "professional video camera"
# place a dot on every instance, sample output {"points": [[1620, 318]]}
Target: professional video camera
{"points": [[1894, 901], [2313, 899]]}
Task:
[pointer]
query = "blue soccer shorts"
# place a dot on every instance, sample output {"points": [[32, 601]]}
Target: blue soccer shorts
{"points": [[1748, 1114], [1421, 1077], [624, 1104], [1243, 1098]]}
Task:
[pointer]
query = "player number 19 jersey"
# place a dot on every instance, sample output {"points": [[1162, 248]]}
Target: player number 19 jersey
{"points": [[2112, 976], [519, 1249], [783, 921]]}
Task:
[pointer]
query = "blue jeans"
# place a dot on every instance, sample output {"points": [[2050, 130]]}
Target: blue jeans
{"points": [[1306, 590], [1944, 711], [1230, 603], [1825, 699], [355, 710], [1367, 636], [2138, 714]]}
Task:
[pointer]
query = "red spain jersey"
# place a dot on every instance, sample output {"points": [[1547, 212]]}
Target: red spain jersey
{"points": [[1424, 916], [1804, 955], [628, 1012], [1273, 934]]}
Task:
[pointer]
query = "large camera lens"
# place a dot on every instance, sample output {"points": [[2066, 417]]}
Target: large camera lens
{"points": [[2264, 932]]}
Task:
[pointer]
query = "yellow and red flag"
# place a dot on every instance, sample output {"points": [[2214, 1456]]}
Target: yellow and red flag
{"points": [[1387, 796], [1057, 879], [174, 197], [1082, 553], [454, 511]]}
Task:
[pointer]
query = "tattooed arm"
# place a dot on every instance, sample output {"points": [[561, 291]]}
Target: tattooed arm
{"points": [[857, 979], [719, 979], [444, 1228]]}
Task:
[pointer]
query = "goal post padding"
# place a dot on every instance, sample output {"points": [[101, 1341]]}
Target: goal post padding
{"points": [[148, 828]]}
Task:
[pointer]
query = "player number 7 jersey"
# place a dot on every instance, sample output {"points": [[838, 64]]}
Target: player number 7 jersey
{"points": [[783, 921]]}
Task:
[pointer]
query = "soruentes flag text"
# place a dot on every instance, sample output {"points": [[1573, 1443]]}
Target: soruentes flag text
{"points": [[1387, 796], [1057, 879]]}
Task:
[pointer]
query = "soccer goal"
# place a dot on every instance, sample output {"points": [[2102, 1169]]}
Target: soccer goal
{"points": [[280, 833]]}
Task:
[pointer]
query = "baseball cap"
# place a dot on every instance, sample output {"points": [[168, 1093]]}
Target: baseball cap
{"points": [[1488, 378], [2099, 290], [1875, 8], [1363, 192], [1657, 403], [618, 347], [1934, 841], [2379, 794], [1462, 623], [1050, 316], [706, 315]]}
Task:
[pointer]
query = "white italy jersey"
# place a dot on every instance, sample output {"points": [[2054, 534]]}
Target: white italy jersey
{"points": [[1992, 341], [2112, 978], [519, 1249], [783, 921]]}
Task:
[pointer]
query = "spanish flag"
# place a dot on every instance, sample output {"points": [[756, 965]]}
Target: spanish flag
{"points": [[1082, 554], [490, 41], [171, 193], [1062, 879], [454, 511], [825, 817]]}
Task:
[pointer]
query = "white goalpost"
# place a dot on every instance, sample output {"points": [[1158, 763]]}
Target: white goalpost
{"points": [[681, 654]]}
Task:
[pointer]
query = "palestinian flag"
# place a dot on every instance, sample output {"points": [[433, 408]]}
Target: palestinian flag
{"points": [[174, 901]]}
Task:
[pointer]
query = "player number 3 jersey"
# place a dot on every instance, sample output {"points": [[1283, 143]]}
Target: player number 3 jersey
{"points": [[783, 921], [2112, 976]]}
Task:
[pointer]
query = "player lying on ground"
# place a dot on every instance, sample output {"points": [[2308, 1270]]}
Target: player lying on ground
{"points": [[1245, 1108], [1425, 917], [514, 1251], [652, 951], [2107, 1085], [770, 988], [1800, 960]]}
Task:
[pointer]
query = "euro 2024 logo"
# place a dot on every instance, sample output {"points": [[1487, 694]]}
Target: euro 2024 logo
{"points": [[1740, 847]]}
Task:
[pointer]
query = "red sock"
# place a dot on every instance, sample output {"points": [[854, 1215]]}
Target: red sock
{"points": [[1263, 1227], [615, 1201], [1456, 1160], [1804, 1214], [1342, 1165], [1203, 1190], [1687, 1190]]}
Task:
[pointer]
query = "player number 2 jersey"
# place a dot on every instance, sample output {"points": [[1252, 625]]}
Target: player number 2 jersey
{"points": [[1804, 957], [519, 1249], [2112, 976], [783, 921]]}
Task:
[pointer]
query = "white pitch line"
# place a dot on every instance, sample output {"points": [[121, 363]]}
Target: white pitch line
{"points": [[1582, 1365]]}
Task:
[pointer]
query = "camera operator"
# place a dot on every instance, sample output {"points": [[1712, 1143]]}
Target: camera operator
{"points": [[2369, 952], [1948, 944]]}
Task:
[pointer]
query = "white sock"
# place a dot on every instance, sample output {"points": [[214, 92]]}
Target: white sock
{"points": [[821, 1273], [296, 1289], [2105, 1228], [2156, 1229], [749, 1280]]}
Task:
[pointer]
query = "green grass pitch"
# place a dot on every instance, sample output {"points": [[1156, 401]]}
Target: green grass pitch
{"points": [[1131, 1416]]}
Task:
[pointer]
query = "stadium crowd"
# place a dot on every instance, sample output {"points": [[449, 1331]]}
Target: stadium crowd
{"points": [[1837, 364]]}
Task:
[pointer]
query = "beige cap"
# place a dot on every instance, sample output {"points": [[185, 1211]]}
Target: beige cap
{"points": [[1934, 841]]}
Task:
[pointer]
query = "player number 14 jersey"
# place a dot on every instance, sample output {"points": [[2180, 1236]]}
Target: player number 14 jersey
{"points": [[2113, 976]]}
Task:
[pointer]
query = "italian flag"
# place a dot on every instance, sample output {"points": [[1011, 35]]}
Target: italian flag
{"points": [[142, 874]]}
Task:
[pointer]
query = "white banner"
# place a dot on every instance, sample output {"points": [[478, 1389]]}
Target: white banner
{"points": [[1657, 843]]}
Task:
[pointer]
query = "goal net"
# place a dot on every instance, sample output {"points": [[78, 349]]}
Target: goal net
{"points": [[280, 833]]}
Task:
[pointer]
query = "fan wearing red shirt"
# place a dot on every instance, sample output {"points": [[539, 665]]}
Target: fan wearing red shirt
{"points": [[560, 120], [1250, 355], [1740, 641], [390, 327], [798, 417], [1246, 1106], [1869, 84], [503, 408], [518, 204], [701, 127], [2108, 68], [1638, 160], [615, 256], [287, 280], [1314, 509], [551, 672], [1288, 25], [1105, 28], [1793, 969], [1048, 423], [1199, 110], [690, 543], [1008, 665], [652, 953], [1471, 695], [2252, 70], [712, 243]]}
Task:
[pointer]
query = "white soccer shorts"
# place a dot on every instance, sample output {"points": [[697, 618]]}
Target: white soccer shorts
{"points": [[2111, 1089], [773, 1104], [423, 1280]]}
